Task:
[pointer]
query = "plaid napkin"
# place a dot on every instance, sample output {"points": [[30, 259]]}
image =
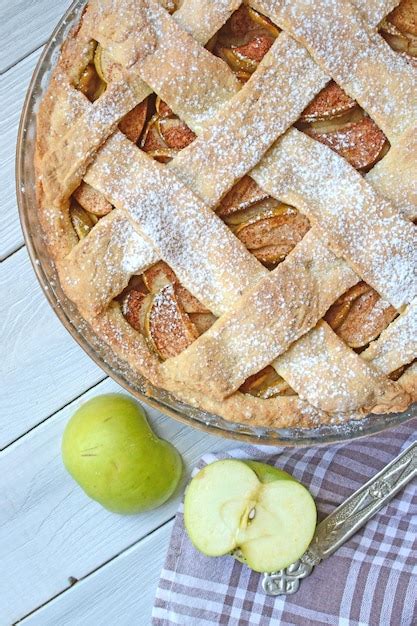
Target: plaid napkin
{"points": [[371, 580]]}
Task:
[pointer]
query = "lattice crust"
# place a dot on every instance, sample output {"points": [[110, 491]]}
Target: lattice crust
{"points": [[165, 211], [370, 234], [265, 321], [337, 32], [204, 253]]}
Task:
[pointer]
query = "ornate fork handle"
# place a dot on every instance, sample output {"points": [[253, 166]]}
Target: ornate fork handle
{"points": [[344, 521]]}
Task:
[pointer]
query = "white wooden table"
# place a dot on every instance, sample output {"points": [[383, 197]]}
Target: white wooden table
{"points": [[63, 559]]}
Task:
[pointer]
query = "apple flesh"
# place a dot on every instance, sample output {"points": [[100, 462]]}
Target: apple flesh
{"points": [[109, 448], [257, 512]]}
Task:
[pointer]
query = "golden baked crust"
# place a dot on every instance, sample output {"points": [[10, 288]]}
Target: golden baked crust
{"points": [[361, 227]]}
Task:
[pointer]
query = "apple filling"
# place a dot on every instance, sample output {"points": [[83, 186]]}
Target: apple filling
{"points": [[360, 315], [244, 40], [399, 29], [266, 384], [82, 220], [165, 134], [269, 229], [167, 314]]}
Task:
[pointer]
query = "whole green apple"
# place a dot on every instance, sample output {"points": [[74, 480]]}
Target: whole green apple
{"points": [[109, 448], [258, 513]]}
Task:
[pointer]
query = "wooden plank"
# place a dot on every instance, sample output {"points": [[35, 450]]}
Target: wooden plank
{"points": [[25, 26], [42, 368], [13, 87], [50, 530], [121, 592]]}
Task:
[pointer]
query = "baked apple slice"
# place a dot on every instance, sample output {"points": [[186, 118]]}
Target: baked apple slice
{"points": [[404, 45], [271, 235], [167, 326], [242, 195], [331, 102], [249, 507], [160, 318], [255, 49], [163, 109], [92, 200], [361, 143], [133, 122], [160, 275], [107, 68], [246, 20], [135, 306], [263, 22], [266, 384], [239, 23], [81, 220], [404, 17], [244, 40], [246, 58], [152, 139], [90, 83], [165, 136], [360, 315], [175, 133], [399, 29], [202, 321]]}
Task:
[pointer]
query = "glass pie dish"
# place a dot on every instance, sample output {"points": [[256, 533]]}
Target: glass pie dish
{"points": [[84, 334]]}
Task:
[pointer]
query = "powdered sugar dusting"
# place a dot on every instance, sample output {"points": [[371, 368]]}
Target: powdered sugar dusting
{"points": [[358, 59], [321, 358], [357, 223], [204, 253], [235, 140], [99, 266]]}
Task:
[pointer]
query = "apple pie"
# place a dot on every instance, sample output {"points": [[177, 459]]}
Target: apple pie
{"points": [[228, 192]]}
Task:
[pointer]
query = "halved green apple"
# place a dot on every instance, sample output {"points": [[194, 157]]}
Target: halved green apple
{"points": [[258, 512]]}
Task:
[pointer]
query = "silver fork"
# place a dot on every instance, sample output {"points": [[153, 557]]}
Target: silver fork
{"points": [[344, 522]]}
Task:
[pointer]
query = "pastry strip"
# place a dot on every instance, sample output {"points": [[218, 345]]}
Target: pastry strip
{"points": [[99, 267], [395, 176], [359, 384], [373, 11], [397, 344]]}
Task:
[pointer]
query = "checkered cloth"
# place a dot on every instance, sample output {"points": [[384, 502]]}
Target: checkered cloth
{"points": [[370, 581]]}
